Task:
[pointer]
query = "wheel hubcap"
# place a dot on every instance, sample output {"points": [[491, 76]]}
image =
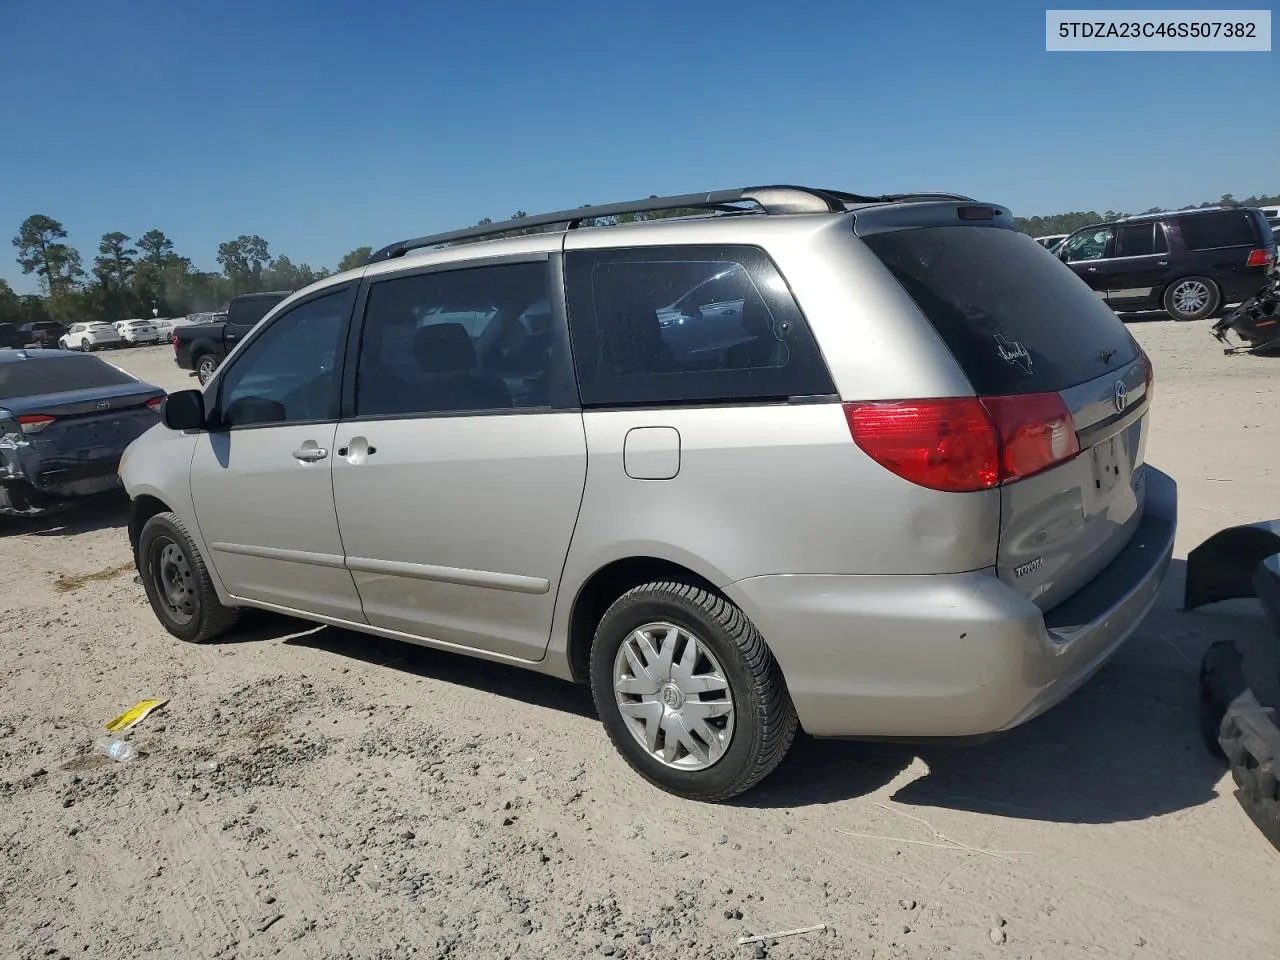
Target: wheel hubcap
{"points": [[174, 581], [673, 696], [1190, 296]]}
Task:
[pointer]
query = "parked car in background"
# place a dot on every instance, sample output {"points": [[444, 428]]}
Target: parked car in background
{"points": [[37, 334], [139, 332], [1052, 241], [201, 347], [42, 333], [65, 420], [11, 335], [88, 337], [1187, 263], [901, 493]]}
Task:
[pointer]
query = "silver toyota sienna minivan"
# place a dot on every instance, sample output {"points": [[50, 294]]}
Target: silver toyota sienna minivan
{"points": [[743, 462]]}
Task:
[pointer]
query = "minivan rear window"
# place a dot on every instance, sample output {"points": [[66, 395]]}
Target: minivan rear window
{"points": [[1015, 317], [1210, 231]]}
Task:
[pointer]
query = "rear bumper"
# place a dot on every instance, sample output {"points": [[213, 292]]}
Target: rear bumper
{"points": [[33, 484], [1238, 287], [953, 655]]}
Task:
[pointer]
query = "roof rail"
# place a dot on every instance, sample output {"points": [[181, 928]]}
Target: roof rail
{"points": [[779, 199], [1169, 213]]}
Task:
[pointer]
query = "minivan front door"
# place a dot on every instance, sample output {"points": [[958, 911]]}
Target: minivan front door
{"points": [[459, 474], [262, 480]]}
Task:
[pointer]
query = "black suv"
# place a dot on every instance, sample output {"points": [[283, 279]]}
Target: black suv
{"points": [[1187, 263]]}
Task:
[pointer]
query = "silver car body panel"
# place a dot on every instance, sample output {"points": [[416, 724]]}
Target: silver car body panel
{"points": [[286, 549], [457, 528]]}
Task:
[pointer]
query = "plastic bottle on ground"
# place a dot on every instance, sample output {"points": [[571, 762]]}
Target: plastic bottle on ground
{"points": [[120, 750]]}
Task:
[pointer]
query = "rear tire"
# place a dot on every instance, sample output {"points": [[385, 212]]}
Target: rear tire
{"points": [[177, 582], [689, 654], [206, 364], [1191, 298], [86, 346]]}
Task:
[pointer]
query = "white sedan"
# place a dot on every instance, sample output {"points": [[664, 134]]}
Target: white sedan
{"points": [[90, 336], [139, 331]]}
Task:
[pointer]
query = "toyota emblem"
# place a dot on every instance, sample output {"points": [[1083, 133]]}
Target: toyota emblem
{"points": [[1122, 396], [103, 405]]}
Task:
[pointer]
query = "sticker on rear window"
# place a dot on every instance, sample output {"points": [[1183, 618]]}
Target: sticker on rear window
{"points": [[1012, 351]]}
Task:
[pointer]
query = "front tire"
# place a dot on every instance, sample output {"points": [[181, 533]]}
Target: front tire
{"points": [[689, 693], [1191, 298], [177, 582], [86, 346]]}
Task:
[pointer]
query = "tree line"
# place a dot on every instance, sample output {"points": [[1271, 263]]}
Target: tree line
{"points": [[134, 277], [1071, 222]]}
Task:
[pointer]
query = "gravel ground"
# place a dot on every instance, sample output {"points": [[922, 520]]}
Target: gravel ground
{"points": [[312, 793]]}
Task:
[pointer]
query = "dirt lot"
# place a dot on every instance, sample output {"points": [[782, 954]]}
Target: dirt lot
{"points": [[377, 800]]}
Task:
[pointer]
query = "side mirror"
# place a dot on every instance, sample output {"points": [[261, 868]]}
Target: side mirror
{"points": [[184, 410]]}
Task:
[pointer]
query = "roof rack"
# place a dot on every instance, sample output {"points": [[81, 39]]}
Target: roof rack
{"points": [[769, 200], [1169, 213]]}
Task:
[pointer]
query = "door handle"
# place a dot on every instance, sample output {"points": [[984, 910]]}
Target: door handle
{"points": [[310, 454], [1162, 263], [357, 450], [1092, 269]]}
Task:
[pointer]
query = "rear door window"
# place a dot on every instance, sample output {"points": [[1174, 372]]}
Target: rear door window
{"points": [[1211, 231], [688, 324], [1140, 240], [1016, 319]]}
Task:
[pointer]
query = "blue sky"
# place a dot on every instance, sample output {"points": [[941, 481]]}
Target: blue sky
{"points": [[323, 126]]}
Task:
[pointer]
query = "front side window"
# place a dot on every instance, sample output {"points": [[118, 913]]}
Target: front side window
{"points": [[457, 341], [688, 324], [1090, 244], [287, 374]]}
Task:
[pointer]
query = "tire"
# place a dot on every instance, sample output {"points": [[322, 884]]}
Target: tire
{"points": [[752, 737], [86, 346], [177, 582], [206, 363], [1191, 298]]}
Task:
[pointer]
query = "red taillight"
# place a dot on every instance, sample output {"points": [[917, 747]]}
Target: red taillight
{"points": [[154, 403], [34, 422], [963, 444], [1259, 258], [1036, 432]]}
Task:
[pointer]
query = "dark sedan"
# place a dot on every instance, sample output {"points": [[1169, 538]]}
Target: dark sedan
{"points": [[65, 419]]}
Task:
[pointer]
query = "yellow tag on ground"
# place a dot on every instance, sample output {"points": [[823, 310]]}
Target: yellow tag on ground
{"points": [[135, 714]]}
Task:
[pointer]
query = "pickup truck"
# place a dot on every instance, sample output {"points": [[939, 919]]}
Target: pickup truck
{"points": [[200, 347]]}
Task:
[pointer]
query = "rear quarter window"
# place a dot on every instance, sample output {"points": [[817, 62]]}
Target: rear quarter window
{"points": [[1015, 317], [1211, 231], [688, 324]]}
